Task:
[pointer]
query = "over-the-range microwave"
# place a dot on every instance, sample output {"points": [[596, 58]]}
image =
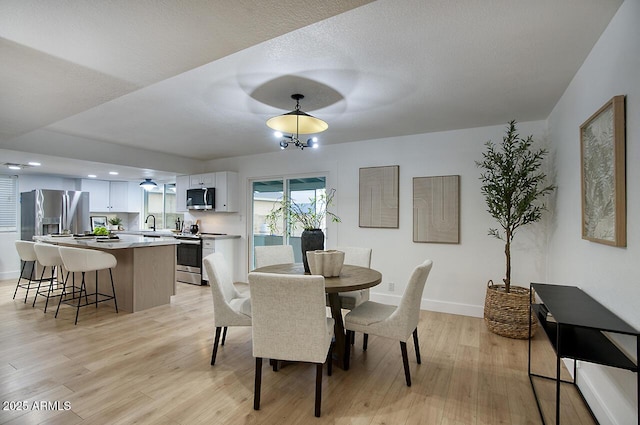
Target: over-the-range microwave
{"points": [[201, 198]]}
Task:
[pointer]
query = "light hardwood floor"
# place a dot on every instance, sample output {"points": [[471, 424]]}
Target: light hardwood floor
{"points": [[152, 367]]}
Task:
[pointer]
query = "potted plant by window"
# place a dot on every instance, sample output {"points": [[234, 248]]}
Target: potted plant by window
{"points": [[513, 185], [310, 216], [115, 223]]}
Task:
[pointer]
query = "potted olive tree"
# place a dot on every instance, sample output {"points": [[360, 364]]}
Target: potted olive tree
{"points": [[310, 216], [513, 185]]}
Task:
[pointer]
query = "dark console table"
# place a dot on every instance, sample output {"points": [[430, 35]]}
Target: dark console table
{"points": [[574, 323]]}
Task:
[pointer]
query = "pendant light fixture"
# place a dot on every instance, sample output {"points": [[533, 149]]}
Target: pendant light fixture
{"points": [[148, 184], [295, 123]]}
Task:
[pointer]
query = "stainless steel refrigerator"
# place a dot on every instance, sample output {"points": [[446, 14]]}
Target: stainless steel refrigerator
{"points": [[45, 212]]}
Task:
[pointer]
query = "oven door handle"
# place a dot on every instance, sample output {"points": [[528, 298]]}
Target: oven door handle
{"points": [[187, 242]]}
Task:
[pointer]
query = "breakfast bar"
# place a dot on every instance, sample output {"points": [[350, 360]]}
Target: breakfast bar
{"points": [[145, 274]]}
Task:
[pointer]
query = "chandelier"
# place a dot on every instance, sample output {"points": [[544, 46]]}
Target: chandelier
{"points": [[296, 123]]}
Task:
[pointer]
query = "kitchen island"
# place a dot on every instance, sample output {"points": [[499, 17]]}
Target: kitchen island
{"points": [[145, 276]]}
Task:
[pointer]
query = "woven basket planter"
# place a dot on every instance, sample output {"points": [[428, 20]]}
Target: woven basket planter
{"points": [[507, 314]]}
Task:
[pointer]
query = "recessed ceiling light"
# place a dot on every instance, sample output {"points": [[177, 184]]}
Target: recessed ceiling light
{"points": [[113, 173], [14, 167], [34, 163], [93, 176]]}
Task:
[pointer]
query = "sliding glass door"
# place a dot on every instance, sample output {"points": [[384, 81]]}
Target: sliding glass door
{"points": [[265, 194]]}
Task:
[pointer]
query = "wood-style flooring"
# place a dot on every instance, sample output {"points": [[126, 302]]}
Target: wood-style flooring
{"points": [[152, 367]]}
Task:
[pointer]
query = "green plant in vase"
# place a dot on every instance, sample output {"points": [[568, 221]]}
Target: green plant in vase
{"points": [[309, 216]]}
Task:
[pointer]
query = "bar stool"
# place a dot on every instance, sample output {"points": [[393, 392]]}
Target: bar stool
{"points": [[82, 261], [28, 255], [48, 256]]}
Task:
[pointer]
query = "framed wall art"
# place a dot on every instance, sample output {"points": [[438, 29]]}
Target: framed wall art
{"points": [[98, 221], [379, 187], [436, 209], [602, 159]]}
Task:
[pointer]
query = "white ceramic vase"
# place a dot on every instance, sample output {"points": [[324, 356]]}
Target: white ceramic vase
{"points": [[326, 263]]}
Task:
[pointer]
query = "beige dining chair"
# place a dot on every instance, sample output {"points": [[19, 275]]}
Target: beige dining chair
{"points": [[390, 321], [301, 332], [230, 307], [355, 256], [273, 254]]}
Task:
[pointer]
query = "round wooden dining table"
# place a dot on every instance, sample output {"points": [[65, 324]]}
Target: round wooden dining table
{"points": [[352, 278]]}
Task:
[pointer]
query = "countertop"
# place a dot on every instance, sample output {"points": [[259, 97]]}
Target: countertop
{"points": [[169, 233], [124, 241]]}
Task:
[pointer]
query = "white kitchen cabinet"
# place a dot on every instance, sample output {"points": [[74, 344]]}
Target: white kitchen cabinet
{"points": [[223, 246], [118, 196], [226, 191], [182, 184], [202, 180], [106, 196], [99, 194]]}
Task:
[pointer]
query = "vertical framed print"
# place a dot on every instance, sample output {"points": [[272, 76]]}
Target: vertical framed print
{"points": [[436, 209], [603, 185], [378, 196]]}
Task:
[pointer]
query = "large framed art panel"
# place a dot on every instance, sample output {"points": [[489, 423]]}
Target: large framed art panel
{"points": [[436, 209], [602, 159], [379, 187]]}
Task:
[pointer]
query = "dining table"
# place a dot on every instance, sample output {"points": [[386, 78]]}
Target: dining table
{"points": [[351, 278]]}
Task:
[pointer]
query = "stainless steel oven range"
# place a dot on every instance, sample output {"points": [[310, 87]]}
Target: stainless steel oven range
{"points": [[190, 252], [189, 259]]}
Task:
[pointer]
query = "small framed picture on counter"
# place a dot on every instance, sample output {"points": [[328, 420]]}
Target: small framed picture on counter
{"points": [[98, 221]]}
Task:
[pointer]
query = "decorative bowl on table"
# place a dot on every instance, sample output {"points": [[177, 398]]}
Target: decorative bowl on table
{"points": [[326, 263]]}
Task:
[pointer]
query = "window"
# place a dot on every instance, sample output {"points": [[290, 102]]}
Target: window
{"points": [[265, 194], [161, 202], [8, 203]]}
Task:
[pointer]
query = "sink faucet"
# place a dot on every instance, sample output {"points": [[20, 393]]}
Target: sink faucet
{"points": [[154, 221]]}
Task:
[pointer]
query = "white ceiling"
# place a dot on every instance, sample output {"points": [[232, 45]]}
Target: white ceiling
{"points": [[156, 87]]}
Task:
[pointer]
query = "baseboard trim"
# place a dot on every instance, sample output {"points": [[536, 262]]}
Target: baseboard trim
{"points": [[9, 275], [433, 305]]}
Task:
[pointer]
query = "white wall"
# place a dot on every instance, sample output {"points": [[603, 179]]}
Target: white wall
{"points": [[607, 273], [457, 282]]}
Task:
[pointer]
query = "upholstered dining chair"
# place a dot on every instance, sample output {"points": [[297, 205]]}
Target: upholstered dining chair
{"points": [[301, 332], [230, 307], [390, 321], [355, 256], [273, 254]]}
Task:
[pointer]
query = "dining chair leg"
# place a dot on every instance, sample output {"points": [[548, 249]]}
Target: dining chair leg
{"points": [[64, 292], [318, 388], [224, 335], [96, 288], [39, 283], [50, 290], [405, 361], [330, 360], [216, 339], [347, 353], [82, 288], [258, 382], [30, 281], [365, 341], [415, 343], [113, 291], [24, 264]]}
